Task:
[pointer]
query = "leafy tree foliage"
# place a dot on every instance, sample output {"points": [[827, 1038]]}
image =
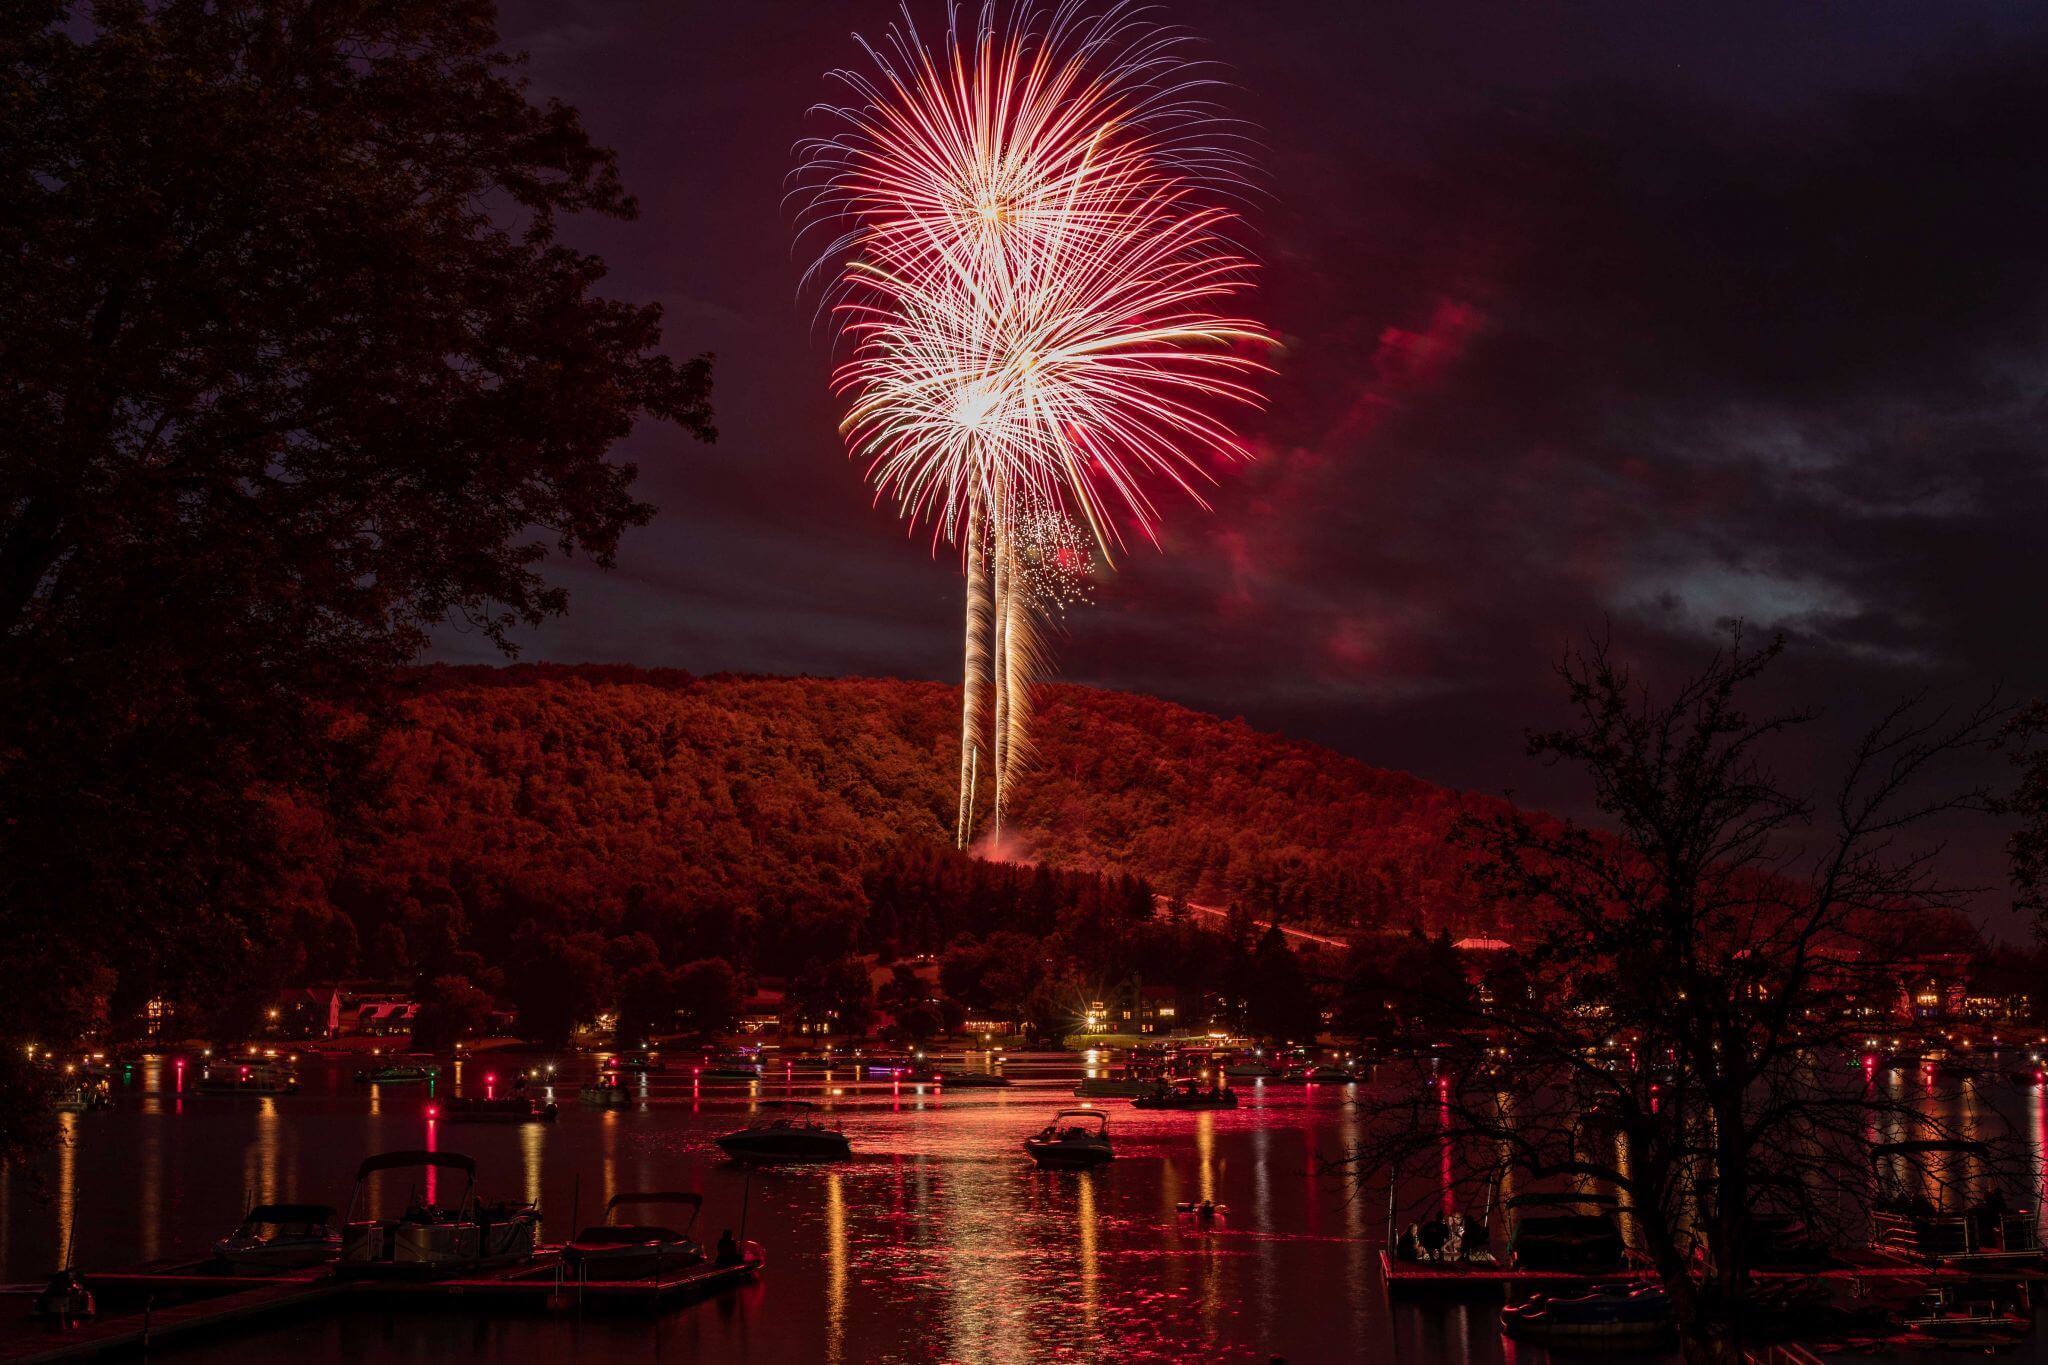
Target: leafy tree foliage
{"points": [[296, 366]]}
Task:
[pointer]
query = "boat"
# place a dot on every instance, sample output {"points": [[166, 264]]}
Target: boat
{"points": [[65, 1298], [636, 1251], [1251, 1070], [511, 1109], [431, 1238], [730, 1067], [1967, 1224], [281, 1237], [1113, 1087], [77, 1096], [1332, 1075], [788, 1130], [886, 1066], [1074, 1140], [1567, 1232], [247, 1078], [1617, 1314], [1186, 1093], [397, 1075], [973, 1080], [640, 1063], [609, 1093]]}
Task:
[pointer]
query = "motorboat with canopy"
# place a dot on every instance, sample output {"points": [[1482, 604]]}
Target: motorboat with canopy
{"points": [[637, 1251], [431, 1237], [1074, 1140]]}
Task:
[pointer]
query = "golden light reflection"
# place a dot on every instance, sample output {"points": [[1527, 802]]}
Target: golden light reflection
{"points": [[1091, 1269], [835, 1268], [67, 1183], [1205, 1181], [532, 1143], [259, 1184]]}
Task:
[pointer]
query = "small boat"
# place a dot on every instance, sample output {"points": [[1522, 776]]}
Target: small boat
{"points": [[430, 1238], [80, 1096], [512, 1109], [1074, 1140], [973, 1080], [1113, 1087], [65, 1298], [1332, 1075], [281, 1237], [734, 1066], [1251, 1070], [789, 1131], [397, 1075], [609, 1093], [1607, 1314], [1202, 1210], [887, 1066], [636, 1251], [640, 1063], [1572, 1232], [1185, 1094], [247, 1078]]}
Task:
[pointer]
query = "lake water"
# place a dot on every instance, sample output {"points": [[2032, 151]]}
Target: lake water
{"points": [[940, 1241]]}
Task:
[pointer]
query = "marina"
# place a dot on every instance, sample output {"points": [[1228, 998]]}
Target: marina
{"points": [[935, 1224]]}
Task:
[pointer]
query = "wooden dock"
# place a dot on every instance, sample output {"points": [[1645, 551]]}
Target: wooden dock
{"points": [[546, 1282], [1453, 1279], [134, 1331], [201, 1301]]}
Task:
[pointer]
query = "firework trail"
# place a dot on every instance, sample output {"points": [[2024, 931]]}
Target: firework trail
{"points": [[1029, 251]]}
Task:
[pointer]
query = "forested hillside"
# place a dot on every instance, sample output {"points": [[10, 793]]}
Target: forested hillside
{"points": [[768, 820]]}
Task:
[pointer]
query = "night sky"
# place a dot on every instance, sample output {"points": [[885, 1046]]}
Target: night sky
{"points": [[1597, 316]]}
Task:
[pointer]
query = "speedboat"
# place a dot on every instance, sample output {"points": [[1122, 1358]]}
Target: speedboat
{"points": [[247, 1078], [1576, 1233], [789, 1131], [1075, 1139], [973, 1080], [1332, 1075], [636, 1251], [431, 1238], [737, 1066], [281, 1237], [1185, 1094], [397, 1075], [511, 1109]]}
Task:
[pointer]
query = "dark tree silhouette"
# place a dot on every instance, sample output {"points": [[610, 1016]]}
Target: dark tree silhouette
{"points": [[296, 367], [1679, 1033]]}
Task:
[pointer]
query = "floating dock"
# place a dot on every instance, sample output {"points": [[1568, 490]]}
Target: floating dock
{"points": [[1481, 1280], [200, 1300], [234, 1304]]}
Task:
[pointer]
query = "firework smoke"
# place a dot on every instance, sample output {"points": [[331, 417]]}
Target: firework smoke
{"points": [[1033, 239]]}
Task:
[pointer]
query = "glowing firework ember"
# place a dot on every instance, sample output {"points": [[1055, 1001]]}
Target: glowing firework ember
{"points": [[1033, 252]]}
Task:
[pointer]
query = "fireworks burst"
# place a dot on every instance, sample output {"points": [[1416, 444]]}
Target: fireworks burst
{"points": [[1030, 257]]}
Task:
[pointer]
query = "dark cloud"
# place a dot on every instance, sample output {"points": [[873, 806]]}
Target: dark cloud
{"points": [[1638, 314]]}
